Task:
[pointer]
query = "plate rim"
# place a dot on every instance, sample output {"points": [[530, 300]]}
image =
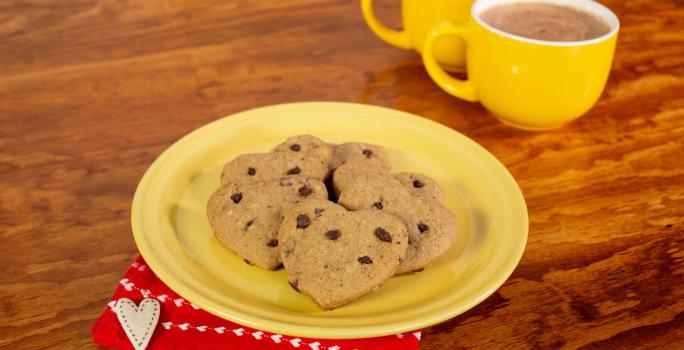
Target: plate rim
{"points": [[300, 330]]}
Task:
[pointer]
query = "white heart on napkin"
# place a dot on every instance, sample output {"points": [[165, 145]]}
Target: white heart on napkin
{"points": [[138, 322], [276, 338]]}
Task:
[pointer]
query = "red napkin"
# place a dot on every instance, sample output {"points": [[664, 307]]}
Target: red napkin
{"points": [[183, 325]]}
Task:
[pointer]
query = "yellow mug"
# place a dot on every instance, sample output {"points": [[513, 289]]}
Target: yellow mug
{"points": [[527, 83], [418, 17]]}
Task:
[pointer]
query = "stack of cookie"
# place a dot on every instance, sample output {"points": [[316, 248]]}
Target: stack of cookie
{"points": [[273, 208]]}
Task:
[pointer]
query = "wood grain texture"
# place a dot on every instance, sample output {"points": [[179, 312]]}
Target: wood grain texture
{"points": [[91, 91]]}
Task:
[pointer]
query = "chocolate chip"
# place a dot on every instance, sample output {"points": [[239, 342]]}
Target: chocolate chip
{"points": [[418, 184], [333, 235], [368, 153], [294, 284], [668, 226], [249, 223], [378, 205], [419, 270], [303, 221], [294, 171], [296, 147], [236, 197], [272, 243], [248, 262], [383, 235], [251, 171], [365, 260], [305, 190], [319, 212], [422, 227]]}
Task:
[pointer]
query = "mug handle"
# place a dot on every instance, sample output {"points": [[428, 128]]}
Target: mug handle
{"points": [[462, 89], [397, 38]]}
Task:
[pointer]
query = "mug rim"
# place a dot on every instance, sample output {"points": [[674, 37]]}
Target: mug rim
{"points": [[588, 6]]}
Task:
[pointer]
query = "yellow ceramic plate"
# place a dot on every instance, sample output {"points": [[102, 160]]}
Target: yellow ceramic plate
{"points": [[173, 235]]}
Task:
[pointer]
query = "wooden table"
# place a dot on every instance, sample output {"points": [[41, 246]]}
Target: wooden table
{"points": [[91, 91]]}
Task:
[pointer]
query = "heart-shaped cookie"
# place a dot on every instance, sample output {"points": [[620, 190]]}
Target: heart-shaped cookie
{"points": [[246, 215], [418, 185], [355, 171], [431, 226], [334, 255], [421, 186], [305, 146], [356, 151], [299, 155], [138, 322]]}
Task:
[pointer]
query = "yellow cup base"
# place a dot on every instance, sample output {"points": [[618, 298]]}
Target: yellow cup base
{"points": [[529, 127]]}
